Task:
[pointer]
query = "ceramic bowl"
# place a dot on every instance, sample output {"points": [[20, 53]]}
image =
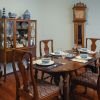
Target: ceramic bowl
{"points": [[46, 60], [57, 52], [83, 55], [84, 49]]}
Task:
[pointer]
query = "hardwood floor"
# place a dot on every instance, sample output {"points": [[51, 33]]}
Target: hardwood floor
{"points": [[7, 90]]}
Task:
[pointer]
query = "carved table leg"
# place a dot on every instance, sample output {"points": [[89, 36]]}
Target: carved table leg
{"points": [[56, 79]]}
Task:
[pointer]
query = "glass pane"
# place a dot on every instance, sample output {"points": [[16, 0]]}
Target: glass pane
{"points": [[33, 35], [80, 34], [1, 34], [10, 33], [21, 34]]}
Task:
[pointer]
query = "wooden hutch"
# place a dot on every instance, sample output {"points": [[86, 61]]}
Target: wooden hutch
{"points": [[16, 34]]}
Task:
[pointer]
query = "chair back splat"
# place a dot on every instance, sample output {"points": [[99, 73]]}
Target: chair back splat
{"points": [[46, 46], [93, 43]]}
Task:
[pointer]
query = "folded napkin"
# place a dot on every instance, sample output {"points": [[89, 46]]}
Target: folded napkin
{"points": [[79, 60], [91, 52], [87, 50]]}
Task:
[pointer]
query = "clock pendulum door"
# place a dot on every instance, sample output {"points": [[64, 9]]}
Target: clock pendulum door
{"points": [[79, 34]]}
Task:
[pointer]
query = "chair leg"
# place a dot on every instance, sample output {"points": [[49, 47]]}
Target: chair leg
{"points": [[85, 91], [4, 72], [57, 79], [42, 75], [17, 98], [51, 79]]}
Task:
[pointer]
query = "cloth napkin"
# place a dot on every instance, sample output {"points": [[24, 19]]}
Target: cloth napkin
{"points": [[91, 52], [79, 60]]}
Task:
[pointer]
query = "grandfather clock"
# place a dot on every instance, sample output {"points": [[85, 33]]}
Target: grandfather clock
{"points": [[79, 19]]}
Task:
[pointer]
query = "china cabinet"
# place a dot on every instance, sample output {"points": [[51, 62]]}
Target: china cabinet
{"points": [[79, 19], [16, 34]]}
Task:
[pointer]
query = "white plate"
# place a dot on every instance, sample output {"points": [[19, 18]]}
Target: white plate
{"points": [[58, 54], [39, 62], [79, 57], [70, 55], [83, 49], [79, 60]]}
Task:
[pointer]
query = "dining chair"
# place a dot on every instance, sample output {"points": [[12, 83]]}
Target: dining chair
{"points": [[92, 44], [46, 47], [88, 78], [27, 87]]}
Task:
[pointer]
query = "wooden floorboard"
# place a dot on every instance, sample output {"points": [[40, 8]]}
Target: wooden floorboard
{"points": [[7, 90]]}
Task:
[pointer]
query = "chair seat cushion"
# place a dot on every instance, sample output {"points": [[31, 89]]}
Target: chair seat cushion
{"points": [[86, 79], [45, 89]]}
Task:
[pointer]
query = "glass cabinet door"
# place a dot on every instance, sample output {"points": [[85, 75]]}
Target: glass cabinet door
{"points": [[9, 33], [22, 34], [33, 33], [1, 33]]}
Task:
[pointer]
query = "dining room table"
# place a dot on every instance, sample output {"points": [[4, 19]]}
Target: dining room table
{"points": [[63, 66]]}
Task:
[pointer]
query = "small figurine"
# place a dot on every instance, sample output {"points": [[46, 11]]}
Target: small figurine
{"points": [[3, 16], [26, 15]]}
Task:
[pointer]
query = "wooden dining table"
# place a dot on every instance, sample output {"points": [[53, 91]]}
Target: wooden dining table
{"points": [[63, 67]]}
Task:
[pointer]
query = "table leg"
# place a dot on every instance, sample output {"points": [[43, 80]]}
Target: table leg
{"points": [[56, 79], [36, 72], [66, 86]]}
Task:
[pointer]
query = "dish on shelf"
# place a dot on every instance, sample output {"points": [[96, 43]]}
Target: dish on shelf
{"points": [[24, 25]]}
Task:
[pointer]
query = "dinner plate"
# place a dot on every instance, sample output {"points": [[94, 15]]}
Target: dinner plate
{"points": [[39, 62], [87, 58], [70, 55], [58, 53], [83, 49]]}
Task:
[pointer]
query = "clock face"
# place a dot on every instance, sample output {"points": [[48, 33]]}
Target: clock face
{"points": [[79, 14]]}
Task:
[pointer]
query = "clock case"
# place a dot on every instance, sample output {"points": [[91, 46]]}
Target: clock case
{"points": [[79, 12], [79, 23]]}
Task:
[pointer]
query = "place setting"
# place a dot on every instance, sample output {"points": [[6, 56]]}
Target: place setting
{"points": [[57, 53], [86, 50], [46, 63], [82, 57]]}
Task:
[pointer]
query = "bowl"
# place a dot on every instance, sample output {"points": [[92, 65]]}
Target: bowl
{"points": [[84, 49], [46, 60], [57, 52], [83, 55], [70, 55]]}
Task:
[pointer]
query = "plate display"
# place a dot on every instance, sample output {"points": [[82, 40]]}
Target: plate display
{"points": [[39, 62]]}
